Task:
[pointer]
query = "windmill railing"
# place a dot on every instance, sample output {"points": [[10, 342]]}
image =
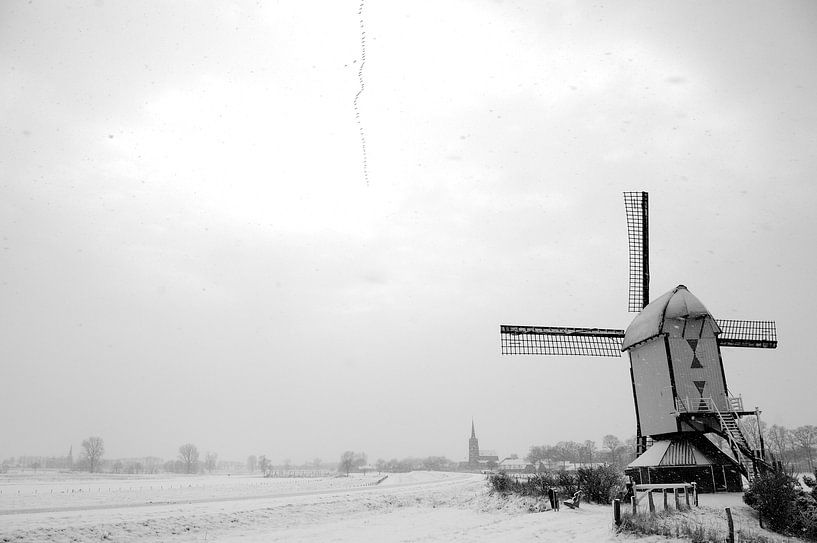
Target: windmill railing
{"points": [[735, 403], [708, 404]]}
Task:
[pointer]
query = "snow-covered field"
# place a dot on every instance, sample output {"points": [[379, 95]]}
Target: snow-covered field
{"points": [[417, 506], [55, 490]]}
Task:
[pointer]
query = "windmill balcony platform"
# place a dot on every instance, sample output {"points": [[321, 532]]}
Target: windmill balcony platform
{"points": [[730, 404]]}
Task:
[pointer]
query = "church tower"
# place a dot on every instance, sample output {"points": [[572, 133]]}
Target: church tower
{"points": [[473, 446]]}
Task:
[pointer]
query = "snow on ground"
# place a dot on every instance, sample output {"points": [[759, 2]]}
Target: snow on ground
{"points": [[417, 506], [711, 514], [48, 491]]}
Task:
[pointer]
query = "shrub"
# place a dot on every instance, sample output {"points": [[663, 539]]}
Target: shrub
{"points": [[502, 483], [600, 484], [806, 519], [773, 495], [563, 482], [541, 483], [567, 482], [784, 506]]}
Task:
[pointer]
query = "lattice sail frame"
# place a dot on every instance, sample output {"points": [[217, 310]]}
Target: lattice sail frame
{"points": [[554, 340], [636, 205], [740, 333]]}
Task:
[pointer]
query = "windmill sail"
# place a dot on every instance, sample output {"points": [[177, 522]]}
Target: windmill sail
{"points": [[757, 334], [555, 340], [638, 236]]}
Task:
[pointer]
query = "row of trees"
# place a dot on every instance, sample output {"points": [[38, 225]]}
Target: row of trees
{"points": [[429, 463], [266, 467], [357, 461], [795, 447], [93, 451], [613, 451]]}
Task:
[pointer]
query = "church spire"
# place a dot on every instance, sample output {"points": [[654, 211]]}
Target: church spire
{"points": [[473, 447]]}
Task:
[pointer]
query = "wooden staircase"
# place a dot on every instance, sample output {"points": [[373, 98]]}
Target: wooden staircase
{"points": [[750, 464]]}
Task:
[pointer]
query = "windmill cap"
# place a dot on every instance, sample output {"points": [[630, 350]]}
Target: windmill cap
{"points": [[679, 303]]}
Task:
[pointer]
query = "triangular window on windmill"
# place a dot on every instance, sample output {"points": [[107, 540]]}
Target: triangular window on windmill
{"points": [[702, 404], [696, 362]]}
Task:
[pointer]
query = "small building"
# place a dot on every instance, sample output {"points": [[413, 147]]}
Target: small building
{"points": [[515, 465]]}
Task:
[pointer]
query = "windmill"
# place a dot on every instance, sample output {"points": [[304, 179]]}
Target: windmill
{"points": [[676, 369]]}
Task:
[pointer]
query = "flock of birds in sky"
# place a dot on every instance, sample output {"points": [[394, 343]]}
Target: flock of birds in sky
{"points": [[360, 92]]}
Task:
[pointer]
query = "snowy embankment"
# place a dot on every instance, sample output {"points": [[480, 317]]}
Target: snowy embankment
{"points": [[418, 506]]}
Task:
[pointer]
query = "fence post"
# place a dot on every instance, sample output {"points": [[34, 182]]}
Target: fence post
{"points": [[731, 538], [686, 496], [675, 495], [652, 504], [695, 493], [617, 512], [635, 505], [664, 492]]}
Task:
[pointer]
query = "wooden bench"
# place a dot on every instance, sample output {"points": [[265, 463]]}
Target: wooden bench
{"points": [[575, 501]]}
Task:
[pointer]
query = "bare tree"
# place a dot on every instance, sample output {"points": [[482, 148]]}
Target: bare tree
{"points": [[586, 451], [350, 460], [779, 440], [753, 431], [210, 461], [264, 465], [92, 450], [612, 443], [566, 451], [539, 453], [346, 461], [805, 438], [252, 463], [189, 455]]}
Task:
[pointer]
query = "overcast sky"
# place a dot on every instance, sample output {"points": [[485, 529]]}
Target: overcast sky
{"points": [[191, 253]]}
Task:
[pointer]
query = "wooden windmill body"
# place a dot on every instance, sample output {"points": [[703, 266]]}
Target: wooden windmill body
{"points": [[679, 384]]}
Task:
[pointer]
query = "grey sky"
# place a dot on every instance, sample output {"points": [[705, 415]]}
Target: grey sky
{"points": [[190, 252]]}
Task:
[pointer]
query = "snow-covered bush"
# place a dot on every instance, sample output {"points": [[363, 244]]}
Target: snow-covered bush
{"points": [[504, 484], [567, 482], [783, 505], [600, 484], [773, 496]]}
